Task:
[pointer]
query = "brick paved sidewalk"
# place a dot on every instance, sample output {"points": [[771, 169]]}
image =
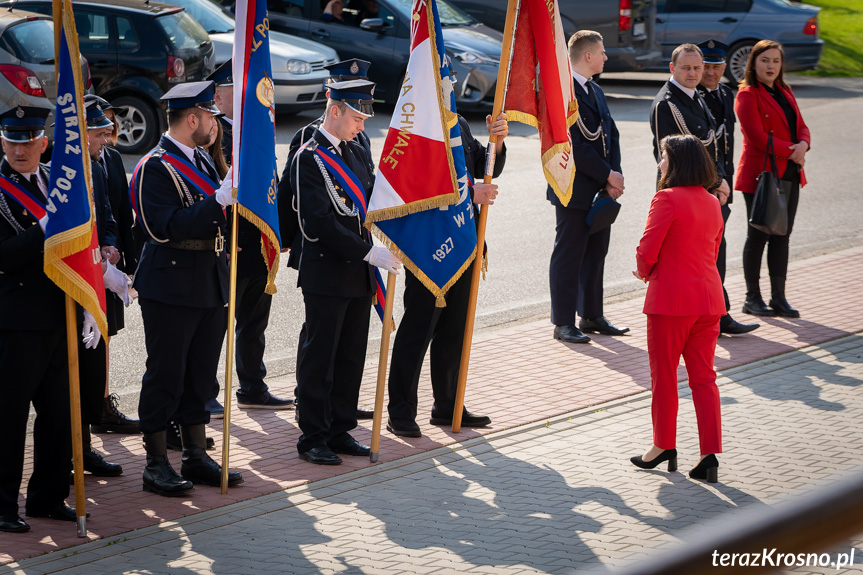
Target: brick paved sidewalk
{"points": [[519, 375]]}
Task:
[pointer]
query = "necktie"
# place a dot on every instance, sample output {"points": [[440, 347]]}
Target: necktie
{"points": [[590, 93], [343, 150], [198, 161], [34, 179]]}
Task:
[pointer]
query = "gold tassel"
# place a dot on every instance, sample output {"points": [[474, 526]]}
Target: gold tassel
{"points": [[439, 301]]}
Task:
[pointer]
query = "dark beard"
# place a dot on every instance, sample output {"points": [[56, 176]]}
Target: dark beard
{"points": [[200, 136]]}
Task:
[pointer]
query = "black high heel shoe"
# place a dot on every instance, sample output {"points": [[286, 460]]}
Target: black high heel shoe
{"points": [[707, 468], [669, 455]]}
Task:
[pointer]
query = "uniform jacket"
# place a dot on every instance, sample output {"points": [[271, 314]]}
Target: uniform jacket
{"points": [[106, 227], [592, 164], [677, 253], [121, 207], [474, 159], [723, 113], [175, 276], [699, 121], [761, 115], [28, 299], [333, 265]]}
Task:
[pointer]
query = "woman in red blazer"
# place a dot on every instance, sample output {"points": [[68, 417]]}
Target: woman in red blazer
{"points": [[765, 105], [677, 255]]}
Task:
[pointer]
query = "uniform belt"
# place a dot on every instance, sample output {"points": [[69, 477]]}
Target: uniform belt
{"points": [[217, 244]]}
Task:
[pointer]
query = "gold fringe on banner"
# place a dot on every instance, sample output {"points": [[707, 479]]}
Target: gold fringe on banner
{"points": [[259, 223]]}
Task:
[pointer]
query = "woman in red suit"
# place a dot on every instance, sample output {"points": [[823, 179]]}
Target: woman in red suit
{"points": [[677, 255], [765, 105]]}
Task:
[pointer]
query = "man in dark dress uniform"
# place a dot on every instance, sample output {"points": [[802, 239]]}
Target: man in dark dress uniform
{"points": [[336, 275], [578, 258], [252, 302], [33, 358], [182, 282], [425, 325], [678, 108], [720, 101]]}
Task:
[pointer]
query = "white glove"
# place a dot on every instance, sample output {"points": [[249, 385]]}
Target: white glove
{"points": [[225, 193], [43, 221], [383, 258], [90, 332], [117, 282]]}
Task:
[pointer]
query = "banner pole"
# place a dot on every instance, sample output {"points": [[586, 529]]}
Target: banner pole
{"points": [[382, 368], [75, 408], [229, 360], [499, 98]]}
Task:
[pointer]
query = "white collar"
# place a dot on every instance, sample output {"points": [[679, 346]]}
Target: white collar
{"points": [[580, 79], [230, 121], [190, 152], [333, 140], [688, 91]]}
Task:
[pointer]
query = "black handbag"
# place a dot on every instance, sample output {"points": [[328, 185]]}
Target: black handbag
{"points": [[770, 206], [602, 213]]}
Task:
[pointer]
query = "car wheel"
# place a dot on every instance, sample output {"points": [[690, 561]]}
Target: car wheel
{"points": [[138, 127], [737, 58]]}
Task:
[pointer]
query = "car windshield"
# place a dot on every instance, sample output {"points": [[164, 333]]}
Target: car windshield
{"points": [[449, 14], [207, 14], [183, 31], [31, 42]]}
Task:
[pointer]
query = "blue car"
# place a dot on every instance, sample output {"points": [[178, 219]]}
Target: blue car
{"points": [[740, 24]]}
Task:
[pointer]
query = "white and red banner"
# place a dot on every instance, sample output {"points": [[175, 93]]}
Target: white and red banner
{"points": [[540, 91]]}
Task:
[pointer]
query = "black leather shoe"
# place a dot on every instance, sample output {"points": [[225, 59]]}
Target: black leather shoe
{"points": [[600, 325], [96, 465], [728, 325], [197, 466], [404, 429], [216, 409], [782, 308], [468, 419], [175, 442], [321, 455], [113, 420], [569, 334], [60, 512], [159, 477], [754, 305], [669, 455], [350, 446], [707, 469], [264, 400], [13, 524], [365, 414]]}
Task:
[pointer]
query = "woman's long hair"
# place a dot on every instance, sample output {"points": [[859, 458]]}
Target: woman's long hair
{"points": [[750, 78], [215, 151], [689, 164]]}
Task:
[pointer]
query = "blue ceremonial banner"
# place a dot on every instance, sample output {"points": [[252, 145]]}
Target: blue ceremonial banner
{"points": [[432, 230], [254, 154], [72, 257]]}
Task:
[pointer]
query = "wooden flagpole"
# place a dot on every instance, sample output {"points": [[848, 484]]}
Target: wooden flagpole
{"points": [[499, 98], [229, 360], [382, 368], [72, 340]]}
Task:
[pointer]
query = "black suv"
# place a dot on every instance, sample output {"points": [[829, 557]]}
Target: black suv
{"points": [[137, 50], [627, 26]]}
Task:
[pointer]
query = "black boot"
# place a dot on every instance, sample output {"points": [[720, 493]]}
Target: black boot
{"points": [[777, 298], [175, 442], [93, 460], [754, 304], [113, 420], [197, 466], [159, 476]]}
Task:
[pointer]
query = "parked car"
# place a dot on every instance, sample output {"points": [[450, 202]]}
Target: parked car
{"points": [[27, 76], [298, 64], [740, 24], [137, 50], [383, 38], [627, 26]]}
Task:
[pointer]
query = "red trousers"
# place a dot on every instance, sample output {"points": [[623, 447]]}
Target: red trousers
{"points": [[694, 337]]}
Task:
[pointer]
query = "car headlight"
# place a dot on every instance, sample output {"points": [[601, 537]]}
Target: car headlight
{"points": [[299, 67]]}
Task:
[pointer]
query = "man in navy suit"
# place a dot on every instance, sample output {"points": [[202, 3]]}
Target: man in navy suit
{"points": [[578, 258]]}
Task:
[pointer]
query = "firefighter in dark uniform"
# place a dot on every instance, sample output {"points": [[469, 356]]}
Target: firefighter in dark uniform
{"points": [[33, 358], [182, 283], [253, 303], [678, 108], [720, 100], [336, 277], [425, 325]]}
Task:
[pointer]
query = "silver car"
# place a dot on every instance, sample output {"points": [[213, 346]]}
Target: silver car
{"points": [[298, 64]]}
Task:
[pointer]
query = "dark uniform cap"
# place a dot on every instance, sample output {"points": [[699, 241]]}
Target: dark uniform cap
{"points": [[193, 95], [96, 117], [224, 74], [714, 51], [23, 123], [353, 69], [103, 103], [357, 94]]}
